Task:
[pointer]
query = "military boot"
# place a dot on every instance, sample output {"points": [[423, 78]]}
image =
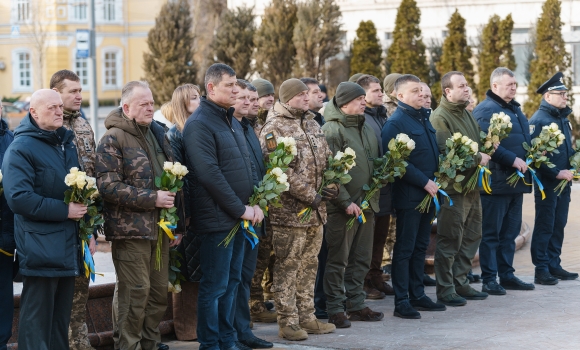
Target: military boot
{"points": [[317, 327], [292, 332], [371, 292]]}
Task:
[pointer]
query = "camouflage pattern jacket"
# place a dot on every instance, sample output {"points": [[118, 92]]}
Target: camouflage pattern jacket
{"points": [[84, 140], [126, 180], [390, 103], [305, 171]]}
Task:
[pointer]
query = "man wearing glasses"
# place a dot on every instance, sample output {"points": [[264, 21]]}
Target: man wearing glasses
{"points": [[552, 212], [502, 209]]}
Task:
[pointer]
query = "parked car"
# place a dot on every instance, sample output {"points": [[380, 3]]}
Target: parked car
{"points": [[24, 105], [12, 114]]}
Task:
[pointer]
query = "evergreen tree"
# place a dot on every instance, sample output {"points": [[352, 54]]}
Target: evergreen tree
{"points": [[316, 36], [170, 60], [234, 40], [456, 53], [406, 55], [495, 51], [435, 51], [550, 55], [366, 50], [275, 52]]}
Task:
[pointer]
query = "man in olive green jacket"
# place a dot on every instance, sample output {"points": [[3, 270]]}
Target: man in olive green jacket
{"points": [[458, 226], [350, 250]]}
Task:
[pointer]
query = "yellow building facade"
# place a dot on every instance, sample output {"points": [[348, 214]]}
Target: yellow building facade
{"points": [[38, 38]]}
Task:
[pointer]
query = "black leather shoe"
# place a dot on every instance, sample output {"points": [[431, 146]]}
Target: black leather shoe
{"points": [[241, 346], [452, 300], [545, 278], [562, 274], [405, 310], [256, 343], [426, 304], [515, 283], [492, 288], [269, 305], [162, 346], [473, 278], [428, 281]]}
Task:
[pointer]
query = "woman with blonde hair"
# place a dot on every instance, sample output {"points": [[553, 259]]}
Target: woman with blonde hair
{"points": [[184, 102]]}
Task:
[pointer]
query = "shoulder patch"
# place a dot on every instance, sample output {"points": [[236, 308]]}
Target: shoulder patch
{"points": [[271, 143], [532, 129]]}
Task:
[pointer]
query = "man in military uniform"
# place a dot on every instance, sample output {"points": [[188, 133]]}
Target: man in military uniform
{"points": [[350, 249], [552, 212], [502, 209], [68, 85], [297, 243]]}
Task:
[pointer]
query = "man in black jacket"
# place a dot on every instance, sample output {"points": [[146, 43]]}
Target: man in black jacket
{"points": [[502, 209], [552, 212], [413, 227], [220, 182], [376, 117], [45, 228], [241, 314], [7, 247]]}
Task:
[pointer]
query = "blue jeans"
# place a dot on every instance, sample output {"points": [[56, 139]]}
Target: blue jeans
{"points": [[221, 269], [502, 215], [6, 299], [241, 310]]}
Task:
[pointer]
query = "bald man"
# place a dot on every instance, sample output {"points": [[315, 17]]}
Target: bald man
{"points": [[45, 228]]}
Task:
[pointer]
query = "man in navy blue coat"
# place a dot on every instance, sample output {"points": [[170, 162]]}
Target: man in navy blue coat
{"points": [[413, 227], [502, 209], [552, 212]]}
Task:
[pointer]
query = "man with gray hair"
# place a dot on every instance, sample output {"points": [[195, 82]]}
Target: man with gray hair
{"points": [[129, 157], [502, 209]]}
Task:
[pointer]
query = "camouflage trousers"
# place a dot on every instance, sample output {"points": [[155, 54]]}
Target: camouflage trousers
{"points": [[296, 250], [390, 244], [78, 333], [264, 263]]}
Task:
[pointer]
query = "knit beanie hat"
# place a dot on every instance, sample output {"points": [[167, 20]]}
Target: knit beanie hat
{"points": [[389, 82], [291, 88], [355, 77], [263, 86], [348, 91]]}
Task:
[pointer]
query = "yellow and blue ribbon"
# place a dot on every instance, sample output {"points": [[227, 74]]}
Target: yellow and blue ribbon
{"points": [[250, 233], [167, 227], [5, 252], [88, 261], [484, 179], [361, 218], [540, 186], [436, 200]]}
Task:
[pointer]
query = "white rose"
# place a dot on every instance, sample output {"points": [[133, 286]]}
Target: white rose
{"points": [[177, 288], [283, 178], [74, 170], [168, 166], [70, 179], [402, 138], [350, 152], [81, 179], [465, 140], [456, 136], [287, 186], [91, 182], [487, 144], [474, 147], [411, 145], [170, 287], [277, 172], [510, 125], [338, 155]]}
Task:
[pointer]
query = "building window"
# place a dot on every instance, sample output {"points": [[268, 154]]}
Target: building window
{"points": [[523, 56], [109, 10], [22, 71], [112, 68], [78, 10], [23, 10], [82, 70]]}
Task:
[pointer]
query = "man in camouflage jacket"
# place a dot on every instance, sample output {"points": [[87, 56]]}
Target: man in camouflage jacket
{"points": [[68, 85], [296, 244], [129, 157]]}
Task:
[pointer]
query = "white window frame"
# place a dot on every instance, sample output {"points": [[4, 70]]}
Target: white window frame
{"points": [[76, 60], [75, 8], [114, 7], [118, 67], [16, 81], [17, 7]]}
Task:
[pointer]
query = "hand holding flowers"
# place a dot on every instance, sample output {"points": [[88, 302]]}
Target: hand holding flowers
{"points": [[575, 164]]}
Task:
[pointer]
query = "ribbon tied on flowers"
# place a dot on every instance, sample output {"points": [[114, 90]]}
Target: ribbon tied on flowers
{"points": [[363, 206], [166, 226], [88, 261], [534, 178], [250, 233], [484, 179], [5, 252], [436, 200]]}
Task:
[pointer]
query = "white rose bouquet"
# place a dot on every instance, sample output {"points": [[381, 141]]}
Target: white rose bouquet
{"points": [[391, 165], [83, 190], [170, 180], [270, 188], [548, 141], [575, 164], [459, 156], [335, 174]]}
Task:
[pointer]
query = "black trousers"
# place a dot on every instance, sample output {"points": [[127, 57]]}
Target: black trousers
{"points": [[45, 307], [319, 296]]}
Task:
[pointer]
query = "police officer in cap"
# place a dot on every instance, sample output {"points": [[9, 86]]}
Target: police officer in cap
{"points": [[552, 212]]}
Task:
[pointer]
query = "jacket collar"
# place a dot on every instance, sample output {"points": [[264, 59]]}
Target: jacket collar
{"points": [[334, 113], [555, 112], [291, 113], [512, 104], [456, 109], [28, 127], [380, 111], [416, 113]]}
